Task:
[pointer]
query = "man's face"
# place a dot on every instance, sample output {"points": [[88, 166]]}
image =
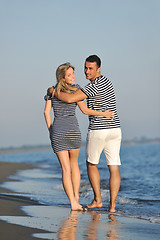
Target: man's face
{"points": [[92, 71]]}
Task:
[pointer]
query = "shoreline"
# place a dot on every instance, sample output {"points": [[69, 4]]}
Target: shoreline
{"points": [[28, 220], [10, 205]]}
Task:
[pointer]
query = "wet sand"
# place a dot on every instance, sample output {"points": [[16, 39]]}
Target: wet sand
{"points": [[24, 219], [11, 205]]}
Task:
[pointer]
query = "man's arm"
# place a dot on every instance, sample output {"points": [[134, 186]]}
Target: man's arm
{"points": [[68, 97]]}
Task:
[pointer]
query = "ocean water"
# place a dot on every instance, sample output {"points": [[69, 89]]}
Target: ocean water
{"points": [[139, 195]]}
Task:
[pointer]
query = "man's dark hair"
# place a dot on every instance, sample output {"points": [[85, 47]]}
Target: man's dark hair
{"points": [[94, 58]]}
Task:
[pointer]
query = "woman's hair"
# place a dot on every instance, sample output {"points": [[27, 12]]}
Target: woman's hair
{"points": [[62, 86]]}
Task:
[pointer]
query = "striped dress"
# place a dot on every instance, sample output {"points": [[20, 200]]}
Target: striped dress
{"points": [[65, 134]]}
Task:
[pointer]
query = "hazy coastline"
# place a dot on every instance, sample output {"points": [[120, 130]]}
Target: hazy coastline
{"points": [[47, 147]]}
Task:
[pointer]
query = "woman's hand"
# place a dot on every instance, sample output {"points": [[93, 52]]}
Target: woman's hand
{"points": [[108, 114], [50, 130]]}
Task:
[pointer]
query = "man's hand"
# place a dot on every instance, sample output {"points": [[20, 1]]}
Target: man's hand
{"points": [[50, 91]]}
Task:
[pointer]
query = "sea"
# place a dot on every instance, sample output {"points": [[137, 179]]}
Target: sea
{"points": [[139, 195]]}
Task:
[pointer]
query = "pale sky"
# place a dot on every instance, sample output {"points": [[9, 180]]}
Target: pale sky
{"points": [[39, 35]]}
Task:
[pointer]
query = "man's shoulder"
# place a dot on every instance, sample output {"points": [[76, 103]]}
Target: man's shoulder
{"points": [[102, 80]]}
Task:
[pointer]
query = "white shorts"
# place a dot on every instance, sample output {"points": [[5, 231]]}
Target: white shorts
{"points": [[107, 140]]}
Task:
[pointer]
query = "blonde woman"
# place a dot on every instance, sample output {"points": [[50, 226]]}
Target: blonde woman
{"points": [[65, 134]]}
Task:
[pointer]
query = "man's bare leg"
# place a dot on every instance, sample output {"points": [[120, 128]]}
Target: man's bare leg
{"points": [[114, 183], [94, 179]]}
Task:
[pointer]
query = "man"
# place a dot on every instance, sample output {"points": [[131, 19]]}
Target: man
{"points": [[103, 134]]}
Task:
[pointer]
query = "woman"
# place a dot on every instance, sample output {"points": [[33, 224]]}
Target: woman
{"points": [[65, 133]]}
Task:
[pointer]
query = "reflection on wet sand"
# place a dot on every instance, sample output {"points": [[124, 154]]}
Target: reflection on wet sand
{"points": [[113, 226], [93, 228], [91, 232], [68, 227]]}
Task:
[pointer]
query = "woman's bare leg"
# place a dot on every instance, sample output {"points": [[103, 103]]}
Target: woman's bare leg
{"points": [[64, 160], [75, 172]]}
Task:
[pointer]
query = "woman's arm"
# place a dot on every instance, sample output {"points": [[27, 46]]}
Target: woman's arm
{"points": [[47, 115], [83, 107]]}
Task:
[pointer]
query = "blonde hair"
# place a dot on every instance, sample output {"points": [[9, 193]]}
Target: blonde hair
{"points": [[62, 86]]}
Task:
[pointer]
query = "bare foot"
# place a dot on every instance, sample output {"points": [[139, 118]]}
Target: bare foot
{"points": [[111, 208], [79, 208], [94, 204]]}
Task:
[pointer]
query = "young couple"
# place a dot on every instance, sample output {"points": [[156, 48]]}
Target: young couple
{"points": [[104, 132]]}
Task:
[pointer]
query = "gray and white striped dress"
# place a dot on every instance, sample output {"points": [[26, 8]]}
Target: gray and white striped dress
{"points": [[65, 134]]}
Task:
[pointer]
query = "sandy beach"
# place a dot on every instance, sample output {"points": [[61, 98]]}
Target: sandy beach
{"points": [[11, 205], [26, 219]]}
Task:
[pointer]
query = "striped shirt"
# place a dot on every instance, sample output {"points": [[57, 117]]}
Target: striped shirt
{"points": [[100, 97]]}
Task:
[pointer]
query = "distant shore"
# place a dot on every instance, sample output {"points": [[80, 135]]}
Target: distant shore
{"points": [[31, 148], [141, 141], [25, 149]]}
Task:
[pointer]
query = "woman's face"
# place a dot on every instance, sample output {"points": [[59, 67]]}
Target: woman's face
{"points": [[70, 76]]}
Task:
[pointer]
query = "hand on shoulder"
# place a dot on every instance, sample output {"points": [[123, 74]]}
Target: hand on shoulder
{"points": [[50, 91]]}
